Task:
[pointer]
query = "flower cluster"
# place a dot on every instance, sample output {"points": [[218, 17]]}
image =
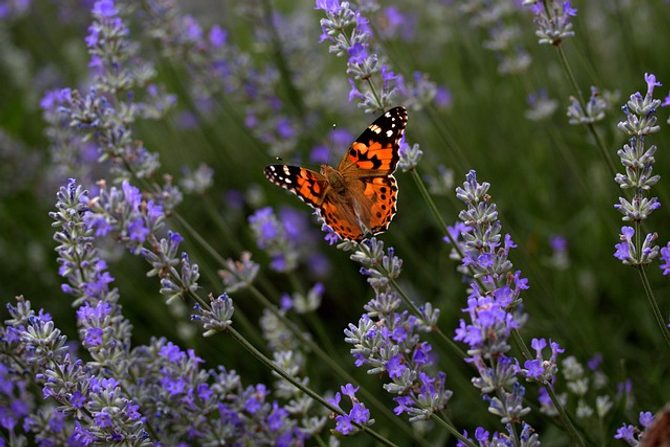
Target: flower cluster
{"points": [[240, 274], [359, 414], [638, 161], [389, 341], [71, 154], [594, 111], [539, 368], [409, 155], [123, 396], [527, 438], [552, 18], [631, 434], [121, 93], [494, 306], [349, 33], [92, 407]]}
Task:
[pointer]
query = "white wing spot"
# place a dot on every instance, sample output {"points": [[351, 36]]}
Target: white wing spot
{"points": [[288, 180], [272, 168], [387, 114], [375, 128], [389, 133], [286, 171]]}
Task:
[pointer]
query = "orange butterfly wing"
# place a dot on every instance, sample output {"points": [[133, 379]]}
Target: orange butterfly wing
{"points": [[310, 186], [341, 218], [382, 192], [375, 151]]}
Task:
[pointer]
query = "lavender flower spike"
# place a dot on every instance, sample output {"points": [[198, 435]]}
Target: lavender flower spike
{"points": [[638, 162], [494, 308], [552, 18]]}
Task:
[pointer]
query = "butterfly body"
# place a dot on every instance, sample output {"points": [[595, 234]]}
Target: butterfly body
{"points": [[357, 198]]}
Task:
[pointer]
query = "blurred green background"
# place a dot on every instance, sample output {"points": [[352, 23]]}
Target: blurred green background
{"points": [[547, 176]]}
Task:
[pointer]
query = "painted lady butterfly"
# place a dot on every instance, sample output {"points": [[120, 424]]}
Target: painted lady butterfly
{"points": [[358, 198]]}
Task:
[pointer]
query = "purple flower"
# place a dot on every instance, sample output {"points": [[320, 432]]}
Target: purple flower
{"points": [[568, 10], [646, 419], [359, 414], [330, 6], [394, 367], [255, 402], [277, 417], [558, 243], [553, 21], [349, 390], [626, 433], [394, 20], [665, 257], [335, 400], [193, 31], [218, 36], [171, 352], [651, 81], [93, 336], [343, 425], [103, 420], [623, 248], [595, 361], [104, 8], [534, 368]]}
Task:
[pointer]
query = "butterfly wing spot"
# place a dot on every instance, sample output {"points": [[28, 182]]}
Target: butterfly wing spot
{"points": [[375, 128]]}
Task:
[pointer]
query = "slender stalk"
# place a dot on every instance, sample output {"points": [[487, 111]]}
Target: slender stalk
{"points": [[314, 395], [451, 429], [565, 417], [568, 71], [658, 315]]}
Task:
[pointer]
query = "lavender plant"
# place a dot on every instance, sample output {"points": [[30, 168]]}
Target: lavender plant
{"points": [[638, 161], [164, 113]]}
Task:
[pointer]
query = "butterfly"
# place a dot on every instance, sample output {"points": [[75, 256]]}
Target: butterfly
{"points": [[358, 198]]}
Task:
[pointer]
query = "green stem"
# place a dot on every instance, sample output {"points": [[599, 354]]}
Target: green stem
{"points": [[452, 429], [565, 417], [658, 315], [416, 311], [308, 391], [568, 71]]}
